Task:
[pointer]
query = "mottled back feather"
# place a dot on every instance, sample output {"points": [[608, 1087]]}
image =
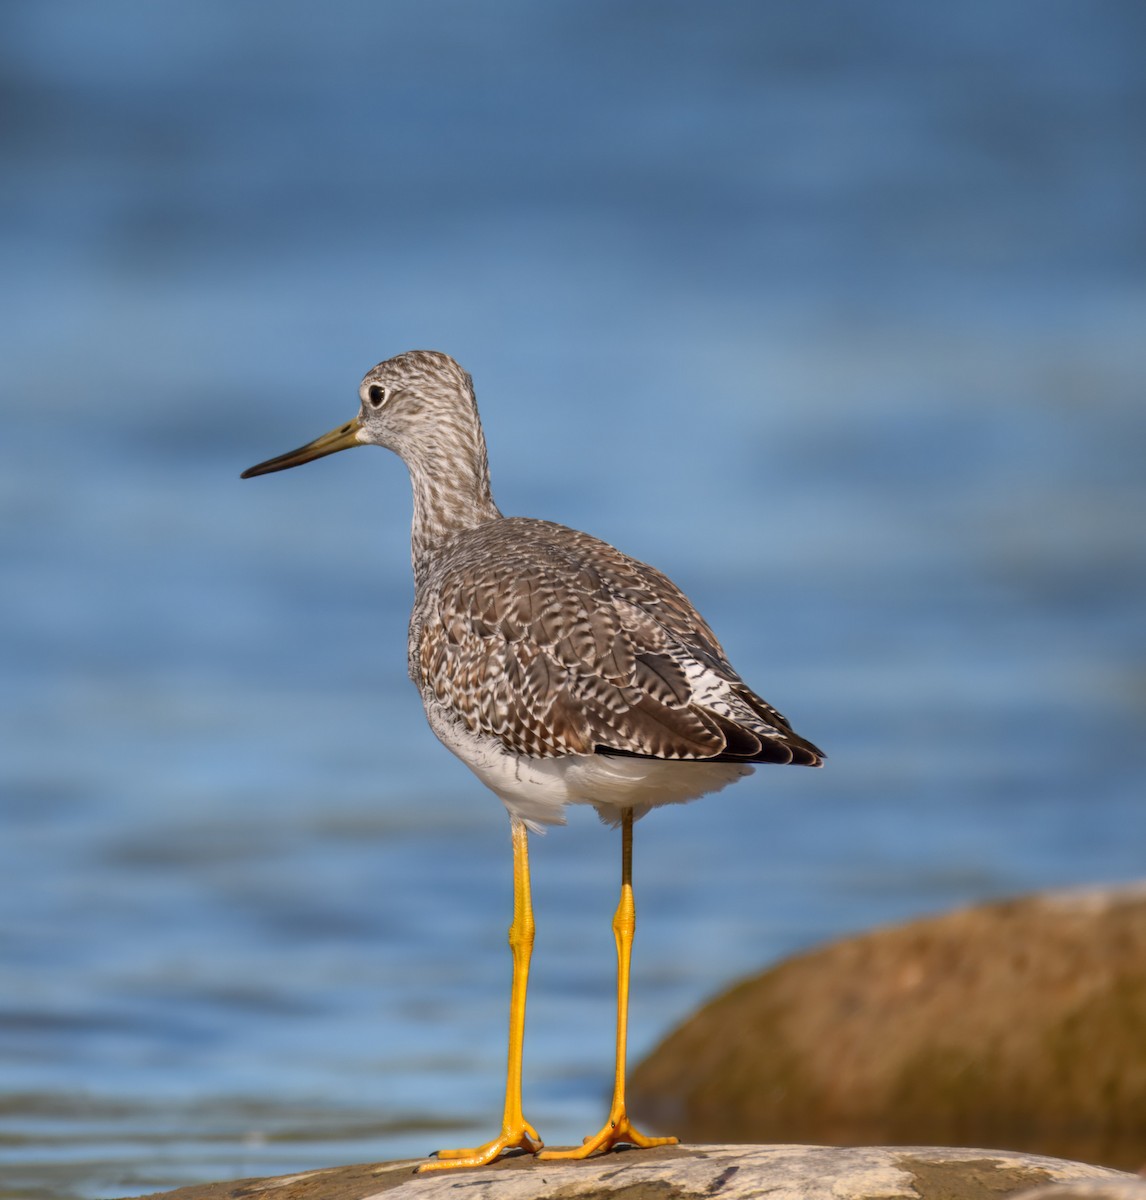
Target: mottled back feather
{"points": [[555, 643]]}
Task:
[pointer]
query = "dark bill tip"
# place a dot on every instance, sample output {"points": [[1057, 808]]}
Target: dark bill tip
{"points": [[343, 438]]}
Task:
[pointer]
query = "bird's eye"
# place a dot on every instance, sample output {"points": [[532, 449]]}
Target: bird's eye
{"points": [[376, 394]]}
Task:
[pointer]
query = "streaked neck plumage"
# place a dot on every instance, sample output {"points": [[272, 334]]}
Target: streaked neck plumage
{"points": [[449, 471]]}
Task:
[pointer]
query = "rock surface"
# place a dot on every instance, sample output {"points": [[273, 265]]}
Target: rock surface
{"points": [[695, 1173], [1089, 1189], [1020, 1024]]}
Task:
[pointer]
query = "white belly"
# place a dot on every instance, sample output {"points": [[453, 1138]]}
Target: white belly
{"points": [[536, 790]]}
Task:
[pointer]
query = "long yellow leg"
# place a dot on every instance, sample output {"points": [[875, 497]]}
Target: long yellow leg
{"points": [[516, 1132], [618, 1130]]}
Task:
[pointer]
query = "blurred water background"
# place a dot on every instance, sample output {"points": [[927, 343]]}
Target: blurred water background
{"points": [[835, 312]]}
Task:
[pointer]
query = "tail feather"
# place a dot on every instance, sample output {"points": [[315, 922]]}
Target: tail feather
{"points": [[771, 741]]}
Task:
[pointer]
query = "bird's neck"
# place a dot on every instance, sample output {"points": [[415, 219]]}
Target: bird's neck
{"points": [[451, 493]]}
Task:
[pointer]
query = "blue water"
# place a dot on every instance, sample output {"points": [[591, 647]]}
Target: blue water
{"points": [[835, 312]]}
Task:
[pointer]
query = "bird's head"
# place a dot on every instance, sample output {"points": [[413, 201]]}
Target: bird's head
{"points": [[404, 400]]}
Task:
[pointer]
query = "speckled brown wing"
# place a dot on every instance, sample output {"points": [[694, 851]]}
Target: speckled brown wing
{"points": [[555, 643]]}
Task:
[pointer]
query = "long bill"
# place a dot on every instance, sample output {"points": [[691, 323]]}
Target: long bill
{"points": [[342, 438]]}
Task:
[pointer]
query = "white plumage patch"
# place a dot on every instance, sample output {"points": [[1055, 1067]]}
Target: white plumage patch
{"points": [[536, 790]]}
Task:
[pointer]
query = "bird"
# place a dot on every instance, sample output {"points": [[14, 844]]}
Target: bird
{"points": [[559, 670]]}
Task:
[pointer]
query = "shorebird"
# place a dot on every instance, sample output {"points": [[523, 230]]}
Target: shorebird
{"points": [[558, 669]]}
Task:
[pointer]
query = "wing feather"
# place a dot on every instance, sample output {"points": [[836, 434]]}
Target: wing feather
{"points": [[555, 643]]}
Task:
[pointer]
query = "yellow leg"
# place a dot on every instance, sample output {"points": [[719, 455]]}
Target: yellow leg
{"points": [[516, 1132], [618, 1130]]}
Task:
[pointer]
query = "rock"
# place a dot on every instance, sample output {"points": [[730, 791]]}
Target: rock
{"points": [[691, 1173], [1090, 1189], [1019, 1024]]}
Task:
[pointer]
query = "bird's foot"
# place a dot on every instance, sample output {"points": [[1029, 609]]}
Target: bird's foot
{"points": [[518, 1136], [618, 1131]]}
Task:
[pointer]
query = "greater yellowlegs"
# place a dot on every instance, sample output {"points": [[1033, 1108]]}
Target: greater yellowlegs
{"points": [[558, 669]]}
